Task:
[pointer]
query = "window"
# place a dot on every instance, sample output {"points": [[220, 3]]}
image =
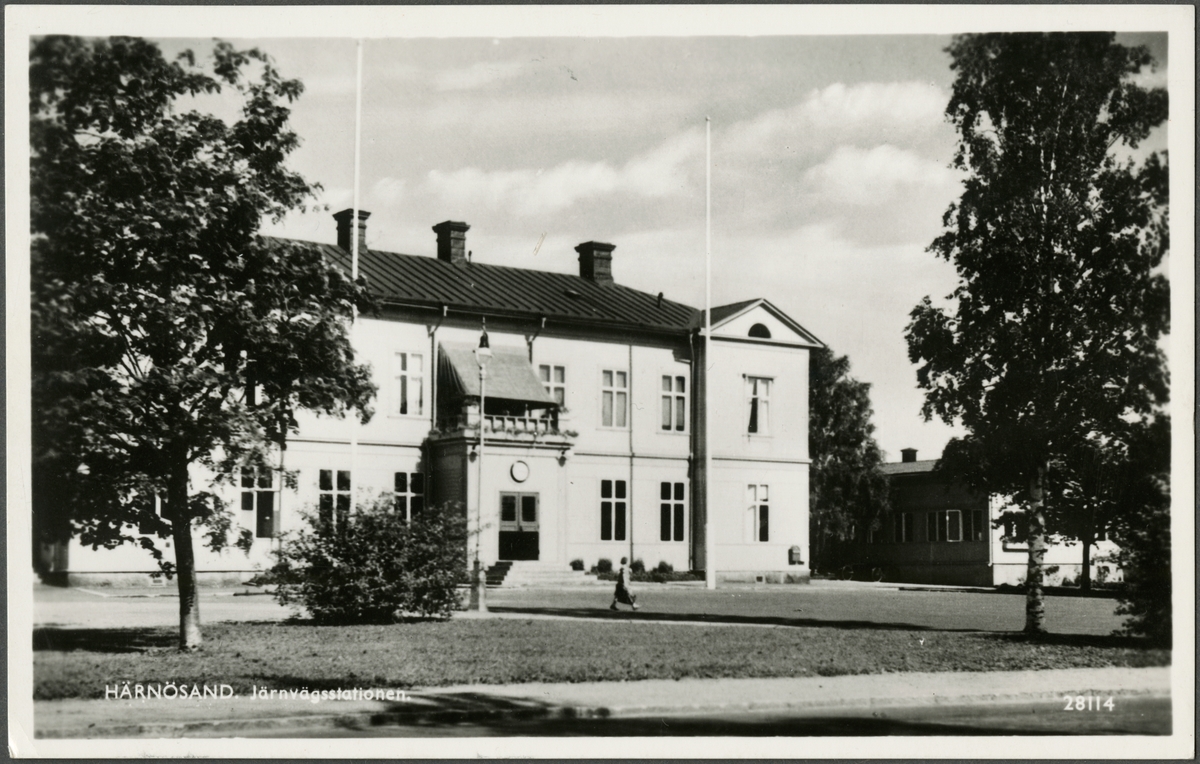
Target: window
{"points": [[945, 525], [674, 403], [614, 398], [903, 527], [760, 512], [760, 331], [333, 503], [671, 512], [758, 397], [1101, 534], [258, 496], [612, 510], [973, 527], [1015, 530], [408, 385], [148, 503], [554, 379], [410, 494]]}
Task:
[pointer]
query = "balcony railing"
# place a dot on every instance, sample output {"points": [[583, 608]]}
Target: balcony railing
{"points": [[499, 425]]}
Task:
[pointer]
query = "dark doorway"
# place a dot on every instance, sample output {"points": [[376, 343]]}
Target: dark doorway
{"points": [[518, 526]]}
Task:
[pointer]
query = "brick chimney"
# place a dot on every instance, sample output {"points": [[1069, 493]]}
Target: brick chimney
{"points": [[345, 232], [908, 454], [595, 262], [452, 241]]}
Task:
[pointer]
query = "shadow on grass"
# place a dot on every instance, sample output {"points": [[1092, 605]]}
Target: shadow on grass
{"points": [[1106, 641], [742, 620], [133, 640]]}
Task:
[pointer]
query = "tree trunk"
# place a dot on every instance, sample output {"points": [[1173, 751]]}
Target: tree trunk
{"points": [[185, 557], [1035, 605], [1087, 538]]}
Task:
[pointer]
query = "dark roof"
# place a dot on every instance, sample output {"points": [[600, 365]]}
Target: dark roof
{"points": [[908, 468], [722, 312], [497, 290]]}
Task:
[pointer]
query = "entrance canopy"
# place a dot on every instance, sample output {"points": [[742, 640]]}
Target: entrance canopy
{"points": [[510, 376]]}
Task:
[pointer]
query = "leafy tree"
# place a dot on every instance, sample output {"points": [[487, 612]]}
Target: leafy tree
{"points": [[1051, 336], [375, 565], [166, 336], [846, 487]]}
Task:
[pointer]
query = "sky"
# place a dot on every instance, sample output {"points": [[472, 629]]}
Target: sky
{"points": [[829, 152], [830, 169]]}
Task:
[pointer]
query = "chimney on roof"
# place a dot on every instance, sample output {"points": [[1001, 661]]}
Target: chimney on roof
{"points": [[595, 262], [345, 232], [452, 241], [908, 454]]}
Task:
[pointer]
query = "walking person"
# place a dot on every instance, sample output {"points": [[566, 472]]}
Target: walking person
{"points": [[624, 592]]}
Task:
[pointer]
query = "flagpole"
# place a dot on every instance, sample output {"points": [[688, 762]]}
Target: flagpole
{"points": [[355, 228], [710, 562]]}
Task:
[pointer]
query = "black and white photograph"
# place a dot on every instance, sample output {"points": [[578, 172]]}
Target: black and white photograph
{"points": [[601, 381]]}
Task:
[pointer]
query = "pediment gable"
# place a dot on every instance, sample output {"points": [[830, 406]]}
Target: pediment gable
{"points": [[760, 321]]}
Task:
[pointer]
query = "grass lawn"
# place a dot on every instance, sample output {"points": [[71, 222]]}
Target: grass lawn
{"points": [[78, 663]]}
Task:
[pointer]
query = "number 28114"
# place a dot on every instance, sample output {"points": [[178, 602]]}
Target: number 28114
{"points": [[1088, 703]]}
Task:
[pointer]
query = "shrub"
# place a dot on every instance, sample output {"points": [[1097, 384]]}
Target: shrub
{"points": [[1145, 558], [664, 567], [637, 567], [576, 564], [603, 565], [375, 565]]}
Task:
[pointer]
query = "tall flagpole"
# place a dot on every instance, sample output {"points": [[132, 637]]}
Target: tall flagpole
{"points": [[355, 229], [710, 561]]}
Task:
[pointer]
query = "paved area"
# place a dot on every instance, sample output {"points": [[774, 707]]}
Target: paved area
{"points": [[1146, 691], [829, 603]]}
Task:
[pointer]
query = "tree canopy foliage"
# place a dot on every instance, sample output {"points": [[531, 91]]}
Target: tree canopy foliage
{"points": [[1050, 341], [847, 488], [166, 334]]}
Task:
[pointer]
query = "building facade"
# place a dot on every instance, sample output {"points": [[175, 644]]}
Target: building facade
{"points": [[590, 442], [942, 532]]}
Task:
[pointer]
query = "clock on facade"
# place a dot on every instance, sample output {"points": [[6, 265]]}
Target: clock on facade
{"points": [[519, 471]]}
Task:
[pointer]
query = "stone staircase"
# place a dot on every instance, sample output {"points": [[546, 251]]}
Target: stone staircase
{"points": [[532, 573]]}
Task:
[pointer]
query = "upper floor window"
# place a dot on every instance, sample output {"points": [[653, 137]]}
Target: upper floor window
{"points": [[674, 403], [148, 504], [903, 522], [258, 496], [408, 384], [612, 510], [333, 499], [410, 494], [758, 400], [760, 511], [614, 398], [554, 379], [760, 330]]}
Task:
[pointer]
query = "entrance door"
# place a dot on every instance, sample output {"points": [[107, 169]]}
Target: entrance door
{"points": [[518, 526]]}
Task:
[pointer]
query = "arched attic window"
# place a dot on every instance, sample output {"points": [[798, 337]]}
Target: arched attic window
{"points": [[759, 330]]}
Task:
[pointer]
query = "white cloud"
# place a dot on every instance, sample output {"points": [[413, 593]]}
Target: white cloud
{"points": [[655, 174], [388, 191], [477, 75], [842, 113], [875, 176]]}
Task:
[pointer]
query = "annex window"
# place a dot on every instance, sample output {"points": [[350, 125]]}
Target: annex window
{"points": [[973, 525], [148, 504], [612, 510], [408, 384], [945, 525], [258, 496], [760, 511], [672, 514], [614, 398], [903, 527], [410, 494], [760, 331], [758, 401], [674, 403], [333, 499], [1015, 530], [554, 379]]}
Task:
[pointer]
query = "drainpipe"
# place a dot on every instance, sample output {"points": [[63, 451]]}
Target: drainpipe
{"points": [[630, 505]]}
